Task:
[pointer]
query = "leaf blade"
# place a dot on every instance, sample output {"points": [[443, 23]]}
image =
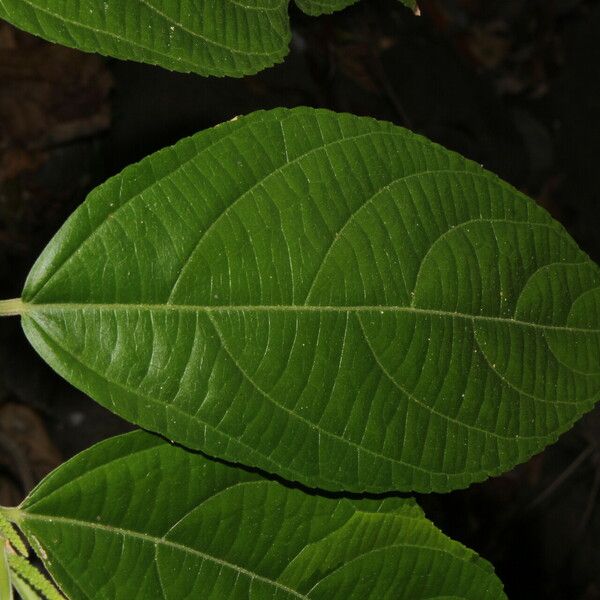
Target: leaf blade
{"points": [[227, 38], [350, 306], [323, 7], [410, 3], [5, 577], [231, 534], [177, 35]]}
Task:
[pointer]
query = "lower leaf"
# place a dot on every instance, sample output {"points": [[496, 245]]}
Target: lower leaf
{"points": [[136, 517]]}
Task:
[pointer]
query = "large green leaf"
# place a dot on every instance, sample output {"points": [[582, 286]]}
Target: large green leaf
{"points": [[326, 297], [209, 37], [137, 518]]}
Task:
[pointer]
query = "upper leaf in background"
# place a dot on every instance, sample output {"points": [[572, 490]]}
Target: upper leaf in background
{"points": [[410, 3], [208, 37], [137, 518], [326, 297], [322, 7]]}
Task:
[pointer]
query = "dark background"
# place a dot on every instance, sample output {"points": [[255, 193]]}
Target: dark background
{"points": [[512, 84]]}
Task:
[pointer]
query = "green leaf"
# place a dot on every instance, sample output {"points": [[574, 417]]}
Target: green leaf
{"points": [[34, 579], [330, 298], [209, 37], [25, 591], [136, 517], [321, 7], [6, 591], [10, 535]]}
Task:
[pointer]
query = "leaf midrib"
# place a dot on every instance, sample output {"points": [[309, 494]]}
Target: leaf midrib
{"points": [[30, 308], [158, 541]]}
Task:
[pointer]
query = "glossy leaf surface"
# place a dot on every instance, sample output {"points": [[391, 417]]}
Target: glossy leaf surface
{"points": [[138, 518], [326, 297], [209, 37]]}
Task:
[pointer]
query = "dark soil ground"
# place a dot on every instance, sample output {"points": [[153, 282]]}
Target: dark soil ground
{"points": [[512, 84]]}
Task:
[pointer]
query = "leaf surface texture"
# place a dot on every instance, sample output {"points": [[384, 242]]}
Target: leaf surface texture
{"points": [[138, 518], [208, 37], [330, 298]]}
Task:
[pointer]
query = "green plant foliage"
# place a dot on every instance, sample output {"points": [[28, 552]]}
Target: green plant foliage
{"points": [[209, 37], [16, 571], [34, 580], [25, 591], [6, 592], [330, 298], [321, 7], [10, 535], [138, 518]]}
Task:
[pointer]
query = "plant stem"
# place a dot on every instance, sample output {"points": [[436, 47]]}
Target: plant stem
{"points": [[12, 514], [10, 308], [5, 582], [25, 591]]}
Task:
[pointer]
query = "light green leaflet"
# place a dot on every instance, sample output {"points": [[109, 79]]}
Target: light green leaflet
{"points": [[137, 518], [5, 585], [209, 37], [410, 4], [326, 297]]}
